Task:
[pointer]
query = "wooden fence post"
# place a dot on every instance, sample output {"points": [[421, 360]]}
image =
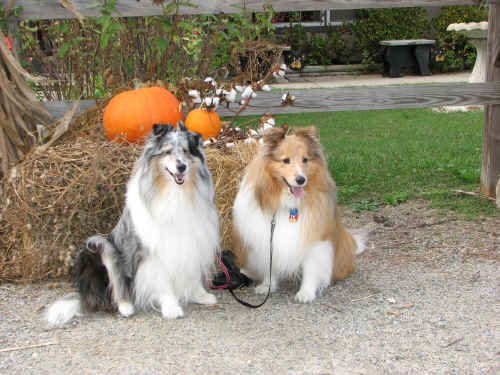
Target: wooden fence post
{"points": [[491, 130]]}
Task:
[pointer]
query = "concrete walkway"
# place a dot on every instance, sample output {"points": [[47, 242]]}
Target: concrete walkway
{"points": [[306, 81]]}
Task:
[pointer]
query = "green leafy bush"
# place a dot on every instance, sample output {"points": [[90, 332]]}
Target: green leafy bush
{"points": [[454, 51], [334, 46], [92, 57], [373, 25], [457, 52]]}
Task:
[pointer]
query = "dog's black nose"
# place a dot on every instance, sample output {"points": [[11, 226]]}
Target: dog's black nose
{"points": [[300, 180], [181, 168]]}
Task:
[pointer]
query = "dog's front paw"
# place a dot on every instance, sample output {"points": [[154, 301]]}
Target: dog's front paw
{"points": [[205, 299], [263, 288], [126, 309], [305, 296], [172, 312]]}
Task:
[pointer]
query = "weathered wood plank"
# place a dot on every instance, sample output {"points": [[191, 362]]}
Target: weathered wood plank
{"points": [[52, 9], [490, 172], [58, 108], [356, 98]]}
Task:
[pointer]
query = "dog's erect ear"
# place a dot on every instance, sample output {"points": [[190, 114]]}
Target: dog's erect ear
{"points": [[162, 129], [196, 138], [273, 136], [182, 127], [310, 132]]}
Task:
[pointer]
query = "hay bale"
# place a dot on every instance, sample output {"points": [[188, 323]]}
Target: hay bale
{"points": [[76, 189]]}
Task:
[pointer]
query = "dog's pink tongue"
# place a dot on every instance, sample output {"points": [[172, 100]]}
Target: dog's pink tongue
{"points": [[297, 191]]}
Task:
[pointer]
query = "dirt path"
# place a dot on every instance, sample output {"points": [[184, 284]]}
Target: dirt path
{"points": [[425, 300]]}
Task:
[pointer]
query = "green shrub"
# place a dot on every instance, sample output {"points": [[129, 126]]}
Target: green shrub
{"points": [[373, 25], [457, 52], [106, 52], [334, 46]]}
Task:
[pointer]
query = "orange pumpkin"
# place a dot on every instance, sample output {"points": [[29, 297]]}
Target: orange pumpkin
{"points": [[130, 115], [205, 122]]}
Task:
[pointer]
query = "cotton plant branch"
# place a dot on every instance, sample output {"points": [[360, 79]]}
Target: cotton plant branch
{"points": [[209, 95]]}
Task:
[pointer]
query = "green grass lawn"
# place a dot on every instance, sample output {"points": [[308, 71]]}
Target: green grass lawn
{"points": [[389, 156]]}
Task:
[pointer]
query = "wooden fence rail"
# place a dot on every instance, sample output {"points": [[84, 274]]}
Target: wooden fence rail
{"points": [[52, 9], [355, 98]]}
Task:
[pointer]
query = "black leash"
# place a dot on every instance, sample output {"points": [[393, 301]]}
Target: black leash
{"points": [[243, 279]]}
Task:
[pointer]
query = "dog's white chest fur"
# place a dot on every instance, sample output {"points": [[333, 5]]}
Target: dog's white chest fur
{"points": [[180, 233], [254, 227]]}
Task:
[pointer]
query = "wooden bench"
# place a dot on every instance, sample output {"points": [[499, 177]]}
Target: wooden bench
{"points": [[405, 53]]}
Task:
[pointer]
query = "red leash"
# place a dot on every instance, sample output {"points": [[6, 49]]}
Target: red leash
{"points": [[226, 272]]}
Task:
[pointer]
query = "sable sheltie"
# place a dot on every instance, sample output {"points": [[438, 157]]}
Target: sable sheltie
{"points": [[288, 179], [161, 252]]}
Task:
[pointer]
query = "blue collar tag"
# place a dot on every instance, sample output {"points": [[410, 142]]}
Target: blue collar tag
{"points": [[293, 215]]}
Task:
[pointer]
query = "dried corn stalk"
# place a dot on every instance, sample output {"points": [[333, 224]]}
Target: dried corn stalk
{"points": [[20, 109]]}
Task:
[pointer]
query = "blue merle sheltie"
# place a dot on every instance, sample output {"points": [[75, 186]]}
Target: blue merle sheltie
{"points": [[160, 254]]}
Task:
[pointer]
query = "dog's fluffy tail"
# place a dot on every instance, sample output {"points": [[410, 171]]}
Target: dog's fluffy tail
{"points": [[361, 237], [92, 284], [64, 309]]}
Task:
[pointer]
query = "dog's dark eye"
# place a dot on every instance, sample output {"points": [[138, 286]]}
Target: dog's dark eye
{"points": [[185, 150], [167, 152], [286, 160], [305, 160]]}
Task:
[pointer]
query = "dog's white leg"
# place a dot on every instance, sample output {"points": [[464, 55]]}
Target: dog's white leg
{"points": [[263, 287], [125, 307], [170, 307], [316, 271], [201, 296]]}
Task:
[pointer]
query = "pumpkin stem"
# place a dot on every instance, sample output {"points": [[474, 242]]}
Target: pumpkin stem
{"points": [[137, 83]]}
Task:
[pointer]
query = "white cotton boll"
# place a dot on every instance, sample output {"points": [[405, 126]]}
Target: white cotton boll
{"points": [[230, 96], [253, 133], [195, 96], [237, 129], [266, 126], [283, 97], [194, 93], [266, 88], [248, 92], [283, 67], [239, 88], [271, 121], [219, 91], [208, 79], [211, 101], [230, 144], [206, 143], [254, 94]]}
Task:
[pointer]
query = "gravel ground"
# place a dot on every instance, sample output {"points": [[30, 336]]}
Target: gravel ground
{"points": [[424, 300]]}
